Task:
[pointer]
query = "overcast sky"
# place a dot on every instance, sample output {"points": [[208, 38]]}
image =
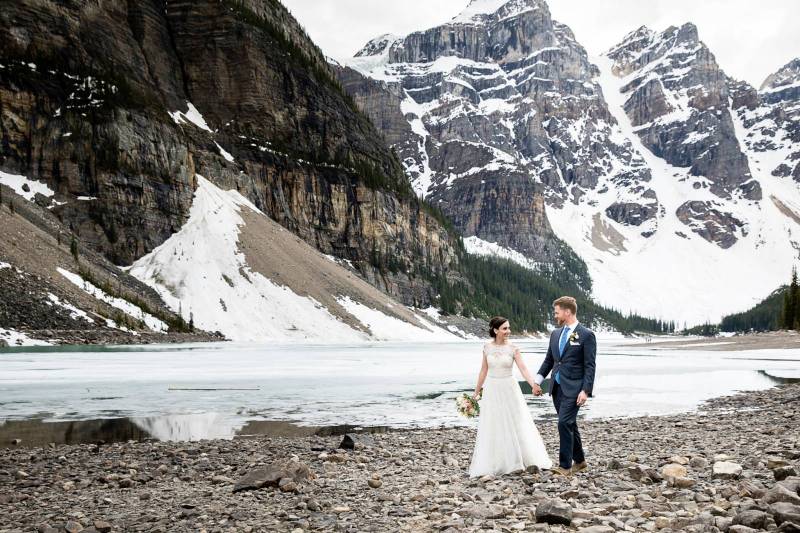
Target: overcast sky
{"points": [[750, 38]]}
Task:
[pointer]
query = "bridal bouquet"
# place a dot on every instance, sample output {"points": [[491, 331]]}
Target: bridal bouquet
{"points": [[468, 406]]}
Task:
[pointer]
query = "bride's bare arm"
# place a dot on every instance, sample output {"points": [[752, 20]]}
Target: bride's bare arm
{"points": [[482, 375], [523, 369]]}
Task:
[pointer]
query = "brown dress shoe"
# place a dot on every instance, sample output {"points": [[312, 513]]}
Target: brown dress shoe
{"points": [[559, 471], [577, 467]]}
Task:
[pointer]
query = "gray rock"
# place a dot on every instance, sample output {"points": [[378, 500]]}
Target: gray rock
{"points": [[102, 526], [554, 512], [287, 485], [753, 519], [271, 475], [792, 484], [72, 527], [354, 441], [779, 493], [783, 472], [776, 462], [673, 470], [785, 512], [738, 528], [726, 470]]}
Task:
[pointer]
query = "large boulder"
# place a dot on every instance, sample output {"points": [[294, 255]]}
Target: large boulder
{"points": [[271, 475], [554, 512]]}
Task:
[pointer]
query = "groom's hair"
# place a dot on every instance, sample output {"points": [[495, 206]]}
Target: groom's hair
{"points": [[567, 302]]}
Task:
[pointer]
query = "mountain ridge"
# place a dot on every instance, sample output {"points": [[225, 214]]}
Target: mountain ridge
{"points": [[640, 162]]}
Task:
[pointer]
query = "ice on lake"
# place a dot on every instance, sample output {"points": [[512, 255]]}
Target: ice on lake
{"points": [[186, 392]]}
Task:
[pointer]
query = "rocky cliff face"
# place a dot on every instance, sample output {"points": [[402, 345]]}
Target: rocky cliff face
{"points": [[677, 100], [122, 104], [645, 160], [502, 116], [770, 118]]}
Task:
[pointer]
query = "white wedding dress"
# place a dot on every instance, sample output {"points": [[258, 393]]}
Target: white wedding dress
{"points": [[507, 439]]}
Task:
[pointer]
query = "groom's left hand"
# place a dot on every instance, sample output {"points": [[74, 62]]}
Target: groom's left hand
{"points": [[582, 398]]}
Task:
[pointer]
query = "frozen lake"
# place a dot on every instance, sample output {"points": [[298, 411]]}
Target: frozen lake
{"points": [[167, 391]]}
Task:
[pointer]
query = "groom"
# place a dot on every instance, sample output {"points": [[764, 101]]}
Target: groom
{"points": [[571, 357]]}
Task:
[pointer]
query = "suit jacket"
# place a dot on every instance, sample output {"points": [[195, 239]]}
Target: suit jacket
{"points": [[576, 366]]}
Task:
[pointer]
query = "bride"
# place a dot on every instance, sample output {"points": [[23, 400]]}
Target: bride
{"points": [[507, 439]]}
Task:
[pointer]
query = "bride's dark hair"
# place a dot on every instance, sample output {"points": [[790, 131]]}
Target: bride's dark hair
{"points": [[495, 323]]}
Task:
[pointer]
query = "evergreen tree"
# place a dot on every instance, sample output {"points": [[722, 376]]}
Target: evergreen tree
{"points": [[794, 296], [791, 301], [73, 248], [11, 207]]}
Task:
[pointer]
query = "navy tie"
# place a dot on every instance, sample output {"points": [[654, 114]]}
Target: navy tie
{"points": [[561, 344]]}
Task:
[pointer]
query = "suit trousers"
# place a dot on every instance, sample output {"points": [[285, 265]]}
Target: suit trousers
{"points": [[571, 447]]}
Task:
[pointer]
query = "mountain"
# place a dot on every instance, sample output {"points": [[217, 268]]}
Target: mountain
{"points": [[490, 100], [633, 167], [150, 122]]}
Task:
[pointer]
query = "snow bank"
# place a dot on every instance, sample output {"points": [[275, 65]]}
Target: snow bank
{"points": [[17, 338], [16, 182], [123, 305], [191, 115]]}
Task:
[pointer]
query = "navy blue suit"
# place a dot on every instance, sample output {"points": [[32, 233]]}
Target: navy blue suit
{"points": [[576, 369]]}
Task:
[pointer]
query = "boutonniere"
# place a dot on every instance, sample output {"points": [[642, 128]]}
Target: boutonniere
{"points": [[573, 337]]}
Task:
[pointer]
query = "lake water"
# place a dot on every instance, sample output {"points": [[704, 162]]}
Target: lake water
{"points": [[187, 392]]}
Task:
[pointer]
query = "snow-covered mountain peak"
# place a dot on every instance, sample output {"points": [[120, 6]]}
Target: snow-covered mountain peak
{"points": [[478, 11], [785, 83], [379, 45]]}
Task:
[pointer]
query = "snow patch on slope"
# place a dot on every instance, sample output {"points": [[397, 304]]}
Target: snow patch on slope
{"points": [[477, 246], [17, 338], [388, 328], [190, 115], [16, 182], [123, 305]]}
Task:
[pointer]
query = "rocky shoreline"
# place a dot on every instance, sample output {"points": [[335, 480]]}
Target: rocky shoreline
{"points": [[769, 340], [110, 337], [730, 466]]}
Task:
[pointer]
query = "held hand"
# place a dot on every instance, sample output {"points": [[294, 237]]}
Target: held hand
{"points": [[582, 398], [537, 390]]}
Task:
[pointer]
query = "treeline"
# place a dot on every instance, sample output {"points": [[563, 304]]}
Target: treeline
{"points": [[780, 310], [790, 313], [501, 287]]}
